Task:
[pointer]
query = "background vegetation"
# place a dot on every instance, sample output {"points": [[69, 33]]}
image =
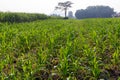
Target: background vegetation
{"points": [[95, 12], [23, 17]]}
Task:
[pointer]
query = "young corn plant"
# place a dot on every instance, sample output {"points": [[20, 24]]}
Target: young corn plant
{"points": [[93, 53], [95, 67], [3, 42], [115, 56], [92, 61], [63, 67], [12, 74], [2, 63], [64, 60], [42, 57]]}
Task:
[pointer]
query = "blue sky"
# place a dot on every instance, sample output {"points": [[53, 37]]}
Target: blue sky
{"points": [[47, 6]]}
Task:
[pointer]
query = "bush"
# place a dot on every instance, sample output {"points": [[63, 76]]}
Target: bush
{"points": [[21, 17]]}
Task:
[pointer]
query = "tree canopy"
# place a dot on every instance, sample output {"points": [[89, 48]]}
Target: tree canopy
{"points": [[95, 12], [64, 6]]}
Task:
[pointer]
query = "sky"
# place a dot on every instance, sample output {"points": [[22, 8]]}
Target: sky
{"points": [[48, 6]]}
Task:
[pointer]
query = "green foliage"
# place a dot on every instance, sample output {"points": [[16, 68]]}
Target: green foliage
{"points": [[21, 17], [95, 12], [60, 49]]}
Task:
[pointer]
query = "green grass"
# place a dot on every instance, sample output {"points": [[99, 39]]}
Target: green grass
{"points": [[60, 49]]}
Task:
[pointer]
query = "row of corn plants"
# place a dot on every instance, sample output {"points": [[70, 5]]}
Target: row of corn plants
{"points": [[60, 50]]}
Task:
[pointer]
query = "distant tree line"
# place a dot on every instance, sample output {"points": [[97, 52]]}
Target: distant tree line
{"points": [[95, 12], [21, 17], [24, 17]]}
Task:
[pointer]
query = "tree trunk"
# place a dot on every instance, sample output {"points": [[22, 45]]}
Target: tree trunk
{"points": [[65, 12]]}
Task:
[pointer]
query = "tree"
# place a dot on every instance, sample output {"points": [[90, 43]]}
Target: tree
{"points": [[64, 6], [95, 12], [80, 14]]}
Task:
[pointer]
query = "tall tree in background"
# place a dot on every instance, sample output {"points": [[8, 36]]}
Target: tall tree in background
{"points": [[64, 6]]}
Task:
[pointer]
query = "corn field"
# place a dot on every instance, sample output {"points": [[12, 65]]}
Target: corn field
{"points": [[86, 49]]}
